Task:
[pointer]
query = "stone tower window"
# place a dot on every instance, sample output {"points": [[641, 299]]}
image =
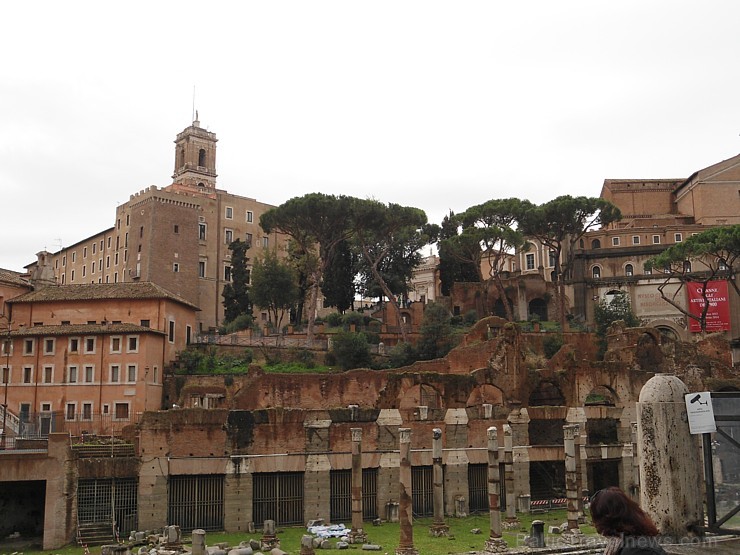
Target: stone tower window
{"points": [[202, 157]]}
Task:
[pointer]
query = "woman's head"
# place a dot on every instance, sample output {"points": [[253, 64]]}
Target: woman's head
{"points": [[614, 514]]}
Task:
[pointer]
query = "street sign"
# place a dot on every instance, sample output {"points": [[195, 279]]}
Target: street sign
{"points": [[700, 412]]}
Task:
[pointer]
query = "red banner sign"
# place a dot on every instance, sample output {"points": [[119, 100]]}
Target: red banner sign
{"points": [[718, 313]]}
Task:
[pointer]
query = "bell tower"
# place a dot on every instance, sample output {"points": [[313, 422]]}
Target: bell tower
{"points": [[195, 157]]}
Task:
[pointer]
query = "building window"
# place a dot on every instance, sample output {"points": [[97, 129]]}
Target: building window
{"points": [[141, 234], [133, 344], [229, 213], [49, 346], [93, 268], [145, 323], [529, 259], [156, 374], [6, 375], [171, 331], [72, 374], [228, 236], [48, 374], [247, 276], [629, 270], [188, 334], [248, 239], [176, 267], [686, 266], [201, 269], [74, 345], [86, 411], [64, 260], [227, 273], [27, 374], [131, 373], [722, 265], [71, 411], [89, 373], [615, 241], [635, 239], [45, 407], [202, 232], [177, 228], [115, 373], [250, 216], [115, 344], [677, 237], [74, 257], [28, 345], [120, 411], [596, 272], [656, 239], [84, 252], [89, 345], [94, 248], [265, 242], [551, 259]]}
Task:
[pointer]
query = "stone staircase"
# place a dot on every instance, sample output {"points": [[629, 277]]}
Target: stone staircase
{"points": [[95, 533]]}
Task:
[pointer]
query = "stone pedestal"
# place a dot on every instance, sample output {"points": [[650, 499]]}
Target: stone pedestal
{"points": [[670, 468], [198, 542]]}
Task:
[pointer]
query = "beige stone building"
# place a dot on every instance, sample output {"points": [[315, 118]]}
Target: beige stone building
{"points": [[656, 214], [175, 236]]}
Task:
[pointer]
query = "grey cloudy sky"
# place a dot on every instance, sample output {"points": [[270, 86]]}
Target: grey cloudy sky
{"points": [[440, 105]]}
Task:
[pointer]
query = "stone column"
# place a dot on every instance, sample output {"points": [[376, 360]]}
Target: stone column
{"points": [[494, 543], [670, 467], [439, 528], [572, 490], [357, 534], [406, 542], [509, 475]]}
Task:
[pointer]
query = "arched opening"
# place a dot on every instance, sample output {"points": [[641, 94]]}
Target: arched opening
{"points": [[485, 394], [595, 244], [629, 270], [667, 333], [547, 394], [202, 157], [601, 396], [538, 308], [499, 309], [596, 272], [686, 266]]}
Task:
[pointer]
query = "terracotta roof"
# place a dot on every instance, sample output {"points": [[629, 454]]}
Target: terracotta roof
{"points": [[13, 278], [82, 329], [98, 292]]}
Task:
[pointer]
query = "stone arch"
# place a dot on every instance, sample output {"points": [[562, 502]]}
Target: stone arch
{"points": [[547, 393], [485, 394], [421, 395], [601, 396], [538, 307], [669, 330]]}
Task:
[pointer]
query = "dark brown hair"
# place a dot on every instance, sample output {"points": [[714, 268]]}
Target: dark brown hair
{"points": [[614, 514]]}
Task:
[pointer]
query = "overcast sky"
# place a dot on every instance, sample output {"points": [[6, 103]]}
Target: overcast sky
{"points": [[440, 105]]}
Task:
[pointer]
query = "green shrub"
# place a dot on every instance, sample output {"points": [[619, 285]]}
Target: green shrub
{"points": [[470, 317], [351, 350], [551, 344], [354, 318], [241, 322], [334, 319], [402, 354]]}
